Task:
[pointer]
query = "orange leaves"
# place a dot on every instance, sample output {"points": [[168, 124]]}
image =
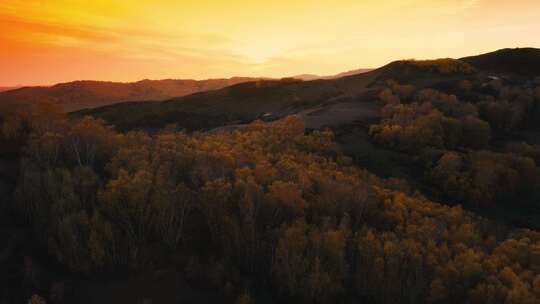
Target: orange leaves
{"points": [[271, 202], [311, 261], [129, 189], [483, 177], [291, 127], [442, 66], [536, 285], [388, 97], [37, 300], [431, 120], [288, 195], [318, 142], [264, 172]]}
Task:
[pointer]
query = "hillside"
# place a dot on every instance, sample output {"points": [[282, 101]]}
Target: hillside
{"points": [[164, 217], [3, 89], [73, 96], [78, 95], [432, 100], [242, 102], [308, 77], [273, 99], [418, 182], [518, 61]]}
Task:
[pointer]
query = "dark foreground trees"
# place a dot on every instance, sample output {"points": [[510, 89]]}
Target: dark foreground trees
{"points": [[265, 207]]}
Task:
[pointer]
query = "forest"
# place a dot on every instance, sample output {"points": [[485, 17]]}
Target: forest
{"points": [[482, 152], [270, 152], [271, 212]]}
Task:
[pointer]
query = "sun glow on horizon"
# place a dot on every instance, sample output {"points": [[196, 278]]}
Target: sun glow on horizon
{"points": [[44, 42]]}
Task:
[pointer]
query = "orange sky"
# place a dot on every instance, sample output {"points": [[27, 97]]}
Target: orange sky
{"points": [[50, 41]]}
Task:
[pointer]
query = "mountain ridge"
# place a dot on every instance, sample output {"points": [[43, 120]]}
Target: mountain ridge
{"points": [[271, 99], [309, 77], [8, 88], [76, 95], [523, 62], [87, 94]]}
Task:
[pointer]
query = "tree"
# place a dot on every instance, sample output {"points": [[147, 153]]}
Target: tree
{"points": [[269, 204], [90, 141], [449, 174], [388, 97], [476, 133], [244, 298], [37, 300]]}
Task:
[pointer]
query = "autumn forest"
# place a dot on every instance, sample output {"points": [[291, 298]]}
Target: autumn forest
{"points": [[276, 211]]}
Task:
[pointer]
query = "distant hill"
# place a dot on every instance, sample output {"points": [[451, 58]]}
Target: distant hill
{"points": [[239, 103], [211, 103], [308, 77], [334, 101], [78, 95], [519, 61], [3, 89]]}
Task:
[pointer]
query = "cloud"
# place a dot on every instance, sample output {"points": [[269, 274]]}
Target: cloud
{"points": [[130, 42]]}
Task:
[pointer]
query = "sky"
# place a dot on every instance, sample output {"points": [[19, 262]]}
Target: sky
{"points": [[43, 42]]}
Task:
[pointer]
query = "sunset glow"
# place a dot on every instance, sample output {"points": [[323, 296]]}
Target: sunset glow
{"points": [[45, 42]]}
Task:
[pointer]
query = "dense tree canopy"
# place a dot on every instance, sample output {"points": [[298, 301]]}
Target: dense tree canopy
{"points": [[463, 146], [268, 206]]}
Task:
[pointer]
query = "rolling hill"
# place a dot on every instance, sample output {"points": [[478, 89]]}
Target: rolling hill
{"points": [[518, 61], [273, 99], [465, 141], [269, 99], [308, 77], [74, 96], [78, 95], [3, 89], [196, 105]]}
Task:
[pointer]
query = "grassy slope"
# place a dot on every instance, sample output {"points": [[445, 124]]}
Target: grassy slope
{"points": [[248, 101], [521, 61]]}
